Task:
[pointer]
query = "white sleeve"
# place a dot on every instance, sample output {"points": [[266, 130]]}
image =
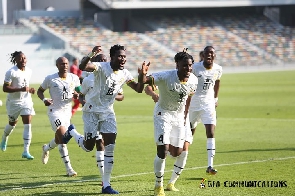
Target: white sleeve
{"points": [[8, 77], [45, 84], [85, 86]]}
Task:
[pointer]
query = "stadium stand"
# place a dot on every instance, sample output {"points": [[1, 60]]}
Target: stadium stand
{"points": [[239, 40], [84, 34]]}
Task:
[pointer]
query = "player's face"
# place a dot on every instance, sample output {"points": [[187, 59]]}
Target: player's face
{"points": [[21, 60], [119, 60], [209, 55], [63, 65], [101, 58], [184, 68]]}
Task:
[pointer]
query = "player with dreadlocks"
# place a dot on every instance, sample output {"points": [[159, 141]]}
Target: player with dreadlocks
{"points": [[98, 112], [19, 101], [169, 125]]}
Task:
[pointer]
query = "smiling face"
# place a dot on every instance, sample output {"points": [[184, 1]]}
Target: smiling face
{"points": [[184, 68], [209, 55], [118, 60], [21, 60]]}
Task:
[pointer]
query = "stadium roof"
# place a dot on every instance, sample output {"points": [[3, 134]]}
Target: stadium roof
{"points": [[148, 4]]}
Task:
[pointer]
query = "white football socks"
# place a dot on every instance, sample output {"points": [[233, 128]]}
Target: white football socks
{"points": [[27, 136], [64, 153], [210, 150], [159, 167], [178, 166], [108, 164]]}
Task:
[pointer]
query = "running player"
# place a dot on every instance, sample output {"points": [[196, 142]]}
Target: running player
{"points": [[202, 105], [109, 77], [63, 86], [19, 101], [169, 123]]}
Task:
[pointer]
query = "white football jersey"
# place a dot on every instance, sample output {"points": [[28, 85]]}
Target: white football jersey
{"points": [[61, 90], [87, 86], [107, 84], [17, 78], [172, 92], [206, 81]]}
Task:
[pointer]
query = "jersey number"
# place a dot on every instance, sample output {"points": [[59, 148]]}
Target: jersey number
{"points": [[57, 123]]}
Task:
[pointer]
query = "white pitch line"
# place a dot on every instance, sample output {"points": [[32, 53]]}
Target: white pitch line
{"points": [[145, 173], [221, 118]]}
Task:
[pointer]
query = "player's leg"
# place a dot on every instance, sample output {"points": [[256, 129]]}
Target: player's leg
{"points": [[181, 152], [64, 153], [209, 121], [7, 131], [86, 141], [100, 155], [13, 112], [162, 129], [27, 136], [46, 148], [26, 113], [108, 130], [60, 121]]}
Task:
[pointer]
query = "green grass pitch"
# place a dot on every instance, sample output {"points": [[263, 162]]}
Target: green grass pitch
{"points": [[254, 142]]}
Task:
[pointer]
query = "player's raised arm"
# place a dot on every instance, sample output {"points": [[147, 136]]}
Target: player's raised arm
{"points": [[85, 64], [142, 78]]}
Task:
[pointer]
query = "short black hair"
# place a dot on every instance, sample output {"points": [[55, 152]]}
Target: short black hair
{"points": [[14, 55], [207, 47], [183, 55], [115, 48]]}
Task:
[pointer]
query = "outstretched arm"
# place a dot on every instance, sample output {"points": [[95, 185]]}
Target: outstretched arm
{"points": [[85, 64]]}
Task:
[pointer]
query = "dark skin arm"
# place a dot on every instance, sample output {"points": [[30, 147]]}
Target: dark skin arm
{"points": [[216, 90], [149, 91], [9, 89], [85, 64], [41, 96], [142, 78]]}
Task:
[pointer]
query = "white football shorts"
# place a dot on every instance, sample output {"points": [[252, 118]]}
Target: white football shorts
{"points": [[206, 116], [94, 123], [169, 128], [188, 132], [59, 118], [15, 109]]}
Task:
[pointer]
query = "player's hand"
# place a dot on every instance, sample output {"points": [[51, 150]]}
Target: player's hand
{"points": [[75, 95], [32, 90], [155, 97], [25, 89], [48, 102], [144, 68], [96, 49]]}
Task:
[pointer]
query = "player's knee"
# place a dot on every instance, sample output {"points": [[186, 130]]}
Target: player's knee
{"points": [[89, 144], [109, 150], [99, 145], [162, 151]]}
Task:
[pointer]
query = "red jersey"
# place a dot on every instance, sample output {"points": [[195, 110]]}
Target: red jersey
{"points": [[75, 70]]}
